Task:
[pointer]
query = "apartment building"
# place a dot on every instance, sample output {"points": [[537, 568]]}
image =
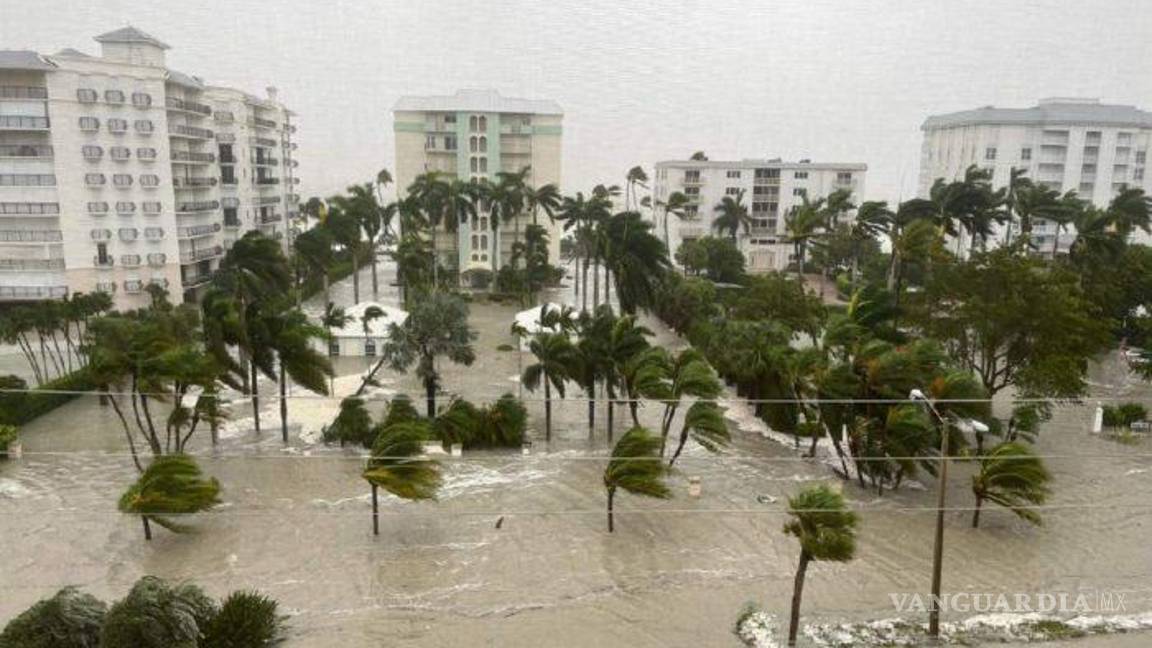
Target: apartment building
{"points": [[1067, 144], [769, 188], [473, 135], [115, 172]]}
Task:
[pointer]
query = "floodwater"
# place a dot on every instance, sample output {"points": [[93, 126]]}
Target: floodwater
{"points": [[296, 524]]}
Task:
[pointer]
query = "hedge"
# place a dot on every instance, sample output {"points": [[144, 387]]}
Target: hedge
{"points": [[20, 408]]}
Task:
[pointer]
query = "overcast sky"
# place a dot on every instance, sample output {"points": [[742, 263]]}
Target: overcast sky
{"points": [[831, 80]]}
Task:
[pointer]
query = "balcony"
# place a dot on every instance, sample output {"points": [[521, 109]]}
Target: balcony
{"points": [[263, 141], [130, 260], [157, 259], [16, 293], [267, 161], [194, 256], [181, 130], [31, 236], [231, 223], [197, 231], [267, 181], [23, 92], [34, 209], [193, 280], [197, 206], [693, 181], [267, 200], [27, 180], [22, 265], [23, 123], [102, 262], [228, 158], [26, 151], [174, 103], [193, 183], [190, 157], [261, 123], [270, 218]]}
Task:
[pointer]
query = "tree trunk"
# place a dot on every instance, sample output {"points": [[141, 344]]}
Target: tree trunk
{"points": [[283, 403], [547, 409], [596, 283], [797, 593], [976, 512], [355, 279], [584, 296], [611, 497], [375, 280], [375, 512], [147, 527], [256, 397], [591, 409], [679, 448], [430, 396], [611, 413]]}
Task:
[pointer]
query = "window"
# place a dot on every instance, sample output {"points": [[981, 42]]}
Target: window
{"points": [[1141, 156], [449, 119], [369, 347], [133, 285], [117, 125], [144, 126], [125, 207], [483, 123], [114, 97], [473, 123], [101, 234], [94, 179], [151, 207], [146, 154], [149, 180], [228, 175], [449, 142], [473, 164], [473, 144], [844, 177], [120, 153], [800, 175], [231, 218], [799, 191], [153, 233], [1025, 153], [733, 173], [990, 153], [1137, 174], [483, 165], [86, 95], [97, 208], [766, 190], [429, 142], [692, 192], [102, 256], [767, 174], [483, 144], [122, 180], [128, 234], [157, 259], [692, 176], [732, 191], [92, 152], [334, 348], [141, 99], [130, 260], [89, 124], [106, 286]]}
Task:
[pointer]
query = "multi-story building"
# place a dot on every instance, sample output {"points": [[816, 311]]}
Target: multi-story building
{"points": [[1072, 144], [473, 135], [769, 189], [111, 175]]}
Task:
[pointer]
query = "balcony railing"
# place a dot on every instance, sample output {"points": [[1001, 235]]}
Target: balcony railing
{"points": [[267, 161], [227, 158], [267, 200], [23, 122], [31, 236], [263, 141], [231, 223], [189, 131], [15, 265], [23, 92], [193, 182], [199, 255], [105, 262], [197, 231], [270, 218], [197, 206], [190, 156], [188, 106], [267, 181], [261, 123], [197, 279], [32, 292], [25, 151]]}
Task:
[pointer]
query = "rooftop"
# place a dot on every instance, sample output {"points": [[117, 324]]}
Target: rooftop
{"points": [[130, 34], [23, 60], [1056, 110], [477, 100], [760, 163]]}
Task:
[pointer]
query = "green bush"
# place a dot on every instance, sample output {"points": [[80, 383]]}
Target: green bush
{"points": [[19, 409], [245, 620], [505, 347], [8, 434], [1124, 414], [352, 425], [70, 619], [499, 425], [158, 615]]}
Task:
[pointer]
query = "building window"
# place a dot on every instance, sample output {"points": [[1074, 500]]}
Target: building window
{"points": [[1025, 153], [844, 177], [483, 123], [732, 191], [369, 347], [990, 153], [483, 144], [474, 164], [692, 176], [429, 142], [692, 192], [154, 233], [120, 152], [473, 123], [122, 180], [106, 286], [102, 256], [151, 207], [141, 99], [133, 285], [94, 179], [117, 125], [144, 126], [473, 144], [157, 259], [149, 180], [146, 153], [334, 348], [101, 234], [733, 173], [1141, 156], [114, 97], [92, 152], [97, 208], [450, 119], [483, 165], [800, 175], [228, 175], [89, 124], [799, 191], [766, 174], [1137, 174], [449, 142], [86, 95], [127, 234], [125, 207]]}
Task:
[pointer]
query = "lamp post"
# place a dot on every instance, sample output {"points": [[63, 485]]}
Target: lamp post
{"points": [[964, 425]]}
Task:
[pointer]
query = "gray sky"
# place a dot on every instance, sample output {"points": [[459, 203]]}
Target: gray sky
{"points": [[833, 80]]}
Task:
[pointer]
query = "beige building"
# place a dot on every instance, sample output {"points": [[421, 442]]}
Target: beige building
{"points": [[113, 171], [476, 134]]}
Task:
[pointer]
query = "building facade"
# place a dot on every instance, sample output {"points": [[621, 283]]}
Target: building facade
{"points": [[473, 135], [112, 177], [769, 189], [1066, 144]]}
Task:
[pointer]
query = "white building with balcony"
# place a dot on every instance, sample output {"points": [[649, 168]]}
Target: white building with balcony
{"points": [[1067, 144], [111, 175], [768, 188], [473, 135]]}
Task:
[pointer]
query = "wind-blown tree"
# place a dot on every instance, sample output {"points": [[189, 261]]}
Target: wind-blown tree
{"points": [[635, 178], [555, 358], [245, 620], [69, 619], [626, 340], [399, 466], [171, 485], [314, 255], [1013, 477], [344, 226], [545, 198], [804, 223], [290, 336], [826, 530], [436, 326], [732, 216], [1129, 211], [703, 423], [873, 220], [718, 258], [635, 467], [592, 362], [369, 213], [636, 259], [353, 424], [689, 375], [414, 259], [676, 205], [156, 614]]}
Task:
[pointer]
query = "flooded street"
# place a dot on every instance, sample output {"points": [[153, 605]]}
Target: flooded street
{"points": [[296, 524]]}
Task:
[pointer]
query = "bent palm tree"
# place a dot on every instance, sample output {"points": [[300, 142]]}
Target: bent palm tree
{"points": [[826, 530], [555, 357], [636, 467], [171, 485], [398, 465], [1011, 476], [704, 422], [733, 215]]}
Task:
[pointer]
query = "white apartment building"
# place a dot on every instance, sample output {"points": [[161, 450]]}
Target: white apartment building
{"points": [[117, 172], [769, 188], [1067, 144], [476, 134]]}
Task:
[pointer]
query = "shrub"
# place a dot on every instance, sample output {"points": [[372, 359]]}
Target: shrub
{"points": [[18, 409], [401, 410], [245, 620], [8, 434], [505, 347], [351, 425], [1124, 414], [155, 614], [499, 425], [70, 619]]}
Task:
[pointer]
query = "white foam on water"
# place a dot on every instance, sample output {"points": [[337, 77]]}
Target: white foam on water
{"points": [[13, 489]]}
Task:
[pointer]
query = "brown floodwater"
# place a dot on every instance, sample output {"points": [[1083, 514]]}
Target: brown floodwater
{"points": [[296, 524]]}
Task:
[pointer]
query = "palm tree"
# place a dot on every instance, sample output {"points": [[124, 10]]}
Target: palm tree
{"points": [[369, 213], [1130, 210], [555, 357], [637, 259], [873, 219], [383, 179], [398, 465], [704, 422], [804, 223], [636, 177], [826, 530], [546, 198], [626, 340], [636, 467], [344, 226], [675, 206], [1070, 208], [689, 375], [314, 248], [1096, 238], [171, 485], [1013, 477], [733, 215], [1033, 201], [291, 337]]}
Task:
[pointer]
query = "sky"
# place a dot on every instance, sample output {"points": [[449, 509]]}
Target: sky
{"points": [[829, 80]]}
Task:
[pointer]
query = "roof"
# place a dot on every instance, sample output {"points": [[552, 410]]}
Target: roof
{"points": [[763, 164], [377, 327], [23, 60], [130, 34], [1048, 111], [180, 78], [477, 100], [74, 53]]}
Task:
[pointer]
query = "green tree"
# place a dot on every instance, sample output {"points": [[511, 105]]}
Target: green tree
{"points": [[352, 424], [156, 614], [171, 485], [398, 465], [290, 335], [635, 467], [245, 620], [436, 326], [555, 358], [826, 530], [732, 216], [804, 223], [636, 259], [1013, 477], [314, 252], [70, 619], [676, 205], [689, 375], [704, 423]]}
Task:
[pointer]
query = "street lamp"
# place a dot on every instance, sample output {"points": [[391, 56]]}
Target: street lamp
{"points": [[964, 425]]}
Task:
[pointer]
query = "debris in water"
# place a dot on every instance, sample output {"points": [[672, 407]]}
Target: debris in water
{"points": [[500, 522]]}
